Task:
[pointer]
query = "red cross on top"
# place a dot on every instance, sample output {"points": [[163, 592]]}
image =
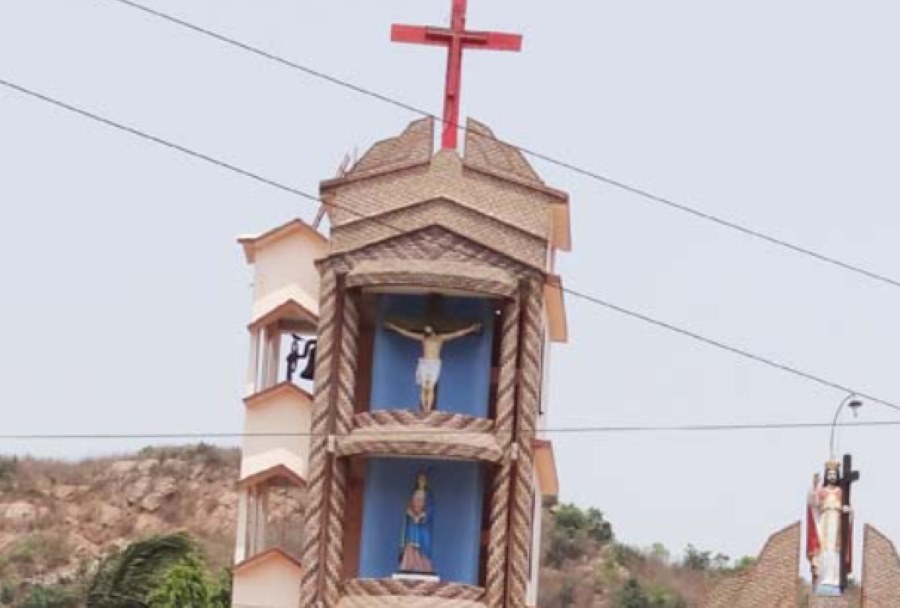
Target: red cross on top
{"points": [[456, 38]]}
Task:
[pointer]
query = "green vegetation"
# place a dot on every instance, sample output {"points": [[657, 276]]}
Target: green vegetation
{"points": [[574, 533], [8, 469], [188, 583], [40, 596], [166, 571], [585, 567]]}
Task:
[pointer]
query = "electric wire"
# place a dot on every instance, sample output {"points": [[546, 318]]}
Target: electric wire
{"points": [[577, 294], [639, 192], [572, 430]]}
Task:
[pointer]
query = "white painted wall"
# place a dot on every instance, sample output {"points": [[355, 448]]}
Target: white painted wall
{"points": [[283, 410], [288, 261], [274, 582]]}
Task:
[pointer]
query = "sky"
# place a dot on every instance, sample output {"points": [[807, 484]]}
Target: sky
{"points": [[126, 295]]}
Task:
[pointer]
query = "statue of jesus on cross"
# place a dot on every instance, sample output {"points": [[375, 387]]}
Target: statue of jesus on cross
{"points": [[428, 372]]}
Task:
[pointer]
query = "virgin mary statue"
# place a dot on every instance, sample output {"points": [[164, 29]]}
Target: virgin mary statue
{"points": [[415, 543]]}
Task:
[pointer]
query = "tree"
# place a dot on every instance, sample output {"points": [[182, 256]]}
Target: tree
{"points": [[744, 563], [7, 595], [659, 553], [694, 559], [632, 595], [720, 561], [125, 579], [184, 585], [570, 519], [598, 528]]}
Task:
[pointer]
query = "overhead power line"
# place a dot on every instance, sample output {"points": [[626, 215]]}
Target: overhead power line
{"points": [[640, 192], [574, 430], [795, 371]]}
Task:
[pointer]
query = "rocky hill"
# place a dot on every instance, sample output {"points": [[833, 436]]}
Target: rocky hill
{"points": [[57, 517]]}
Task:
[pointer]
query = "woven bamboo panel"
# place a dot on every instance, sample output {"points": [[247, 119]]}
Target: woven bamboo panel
{"points": [[401, 441], [516, 202], [485, 151], [432, 243], [412, 147], [376, 587], [319, 468], [433, 274], [522, 507], [346, 384], [506, 380], [405, 601], [410, 418], [497, 543], [519, 245], [500, 492]]}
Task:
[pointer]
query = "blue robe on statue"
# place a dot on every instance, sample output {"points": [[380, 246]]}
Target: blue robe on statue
{"points": [[416, 541]]}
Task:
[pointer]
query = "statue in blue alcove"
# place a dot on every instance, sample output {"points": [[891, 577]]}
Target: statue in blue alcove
{"points": [[428, 372], [416, 540]]}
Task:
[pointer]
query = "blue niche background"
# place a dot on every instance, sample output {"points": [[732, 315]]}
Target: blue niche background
{"points": [[464, 385], [457, 491]]}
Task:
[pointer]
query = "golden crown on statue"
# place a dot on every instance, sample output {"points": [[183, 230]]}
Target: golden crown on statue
{"points": [[832, 465]]}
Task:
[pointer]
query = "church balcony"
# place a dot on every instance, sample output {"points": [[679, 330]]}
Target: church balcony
{"points": [[411, 433], [390, 593], [270, 515]]}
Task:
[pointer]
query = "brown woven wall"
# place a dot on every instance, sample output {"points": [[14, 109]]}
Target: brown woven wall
{"points": [[319, 427], [346, 383], [772, 582], [332, 414], [881, 571], [500, 492], [528, 402]]}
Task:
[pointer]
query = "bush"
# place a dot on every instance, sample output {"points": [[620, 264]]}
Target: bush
{"points": [[632, 595], [188, 584], [7, 595], [572, 520], [45, 550], [694, 559], [575, 534], [40, 596], [9, 466]]}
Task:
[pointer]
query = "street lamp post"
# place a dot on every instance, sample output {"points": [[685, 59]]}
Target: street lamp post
{"points": [[854, 403]]}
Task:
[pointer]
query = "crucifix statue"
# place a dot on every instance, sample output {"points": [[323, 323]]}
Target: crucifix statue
{"points": [[433, 331], [456, 38], [829, 540]]}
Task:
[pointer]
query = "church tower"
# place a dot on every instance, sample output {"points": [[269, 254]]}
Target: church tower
{"points": [[278, 407], [416, 454], [427, 245]]}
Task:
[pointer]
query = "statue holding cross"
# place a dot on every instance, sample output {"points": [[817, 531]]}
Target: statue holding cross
{"points": [[829, 536]]}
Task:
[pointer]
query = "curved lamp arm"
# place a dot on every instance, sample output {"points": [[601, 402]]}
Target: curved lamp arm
{"points": [[854, 403]]}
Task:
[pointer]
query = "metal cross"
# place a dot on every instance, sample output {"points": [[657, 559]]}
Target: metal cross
{"points": [[456, 38]]}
